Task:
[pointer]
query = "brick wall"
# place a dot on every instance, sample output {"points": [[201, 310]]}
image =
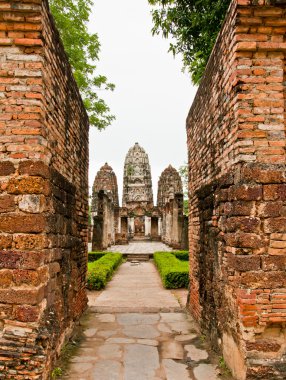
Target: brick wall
{"points": [[43, 199], [237, 231]]}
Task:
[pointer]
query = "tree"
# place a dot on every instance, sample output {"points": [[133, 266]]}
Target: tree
{"points": [[183, 171], [193, 26], [82, 48]]}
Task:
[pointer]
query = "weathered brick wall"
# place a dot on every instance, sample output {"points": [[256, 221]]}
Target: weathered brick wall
{"points": [[43, 200], [237, 232]]}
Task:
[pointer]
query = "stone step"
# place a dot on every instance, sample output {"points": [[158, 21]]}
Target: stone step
{"points": [[138, 257]]}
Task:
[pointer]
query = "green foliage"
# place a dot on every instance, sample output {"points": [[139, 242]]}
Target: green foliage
{"points": [[223, 366], [181, 255], [184, 173], [100, 271], [130, 170], [174, 273], [82, 48], [93, 256], [193, 26], [56, 372]]}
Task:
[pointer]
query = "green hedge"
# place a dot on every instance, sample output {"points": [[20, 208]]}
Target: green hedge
{"points": [[100, 271], [93, 256], [174, 272], [181, 255]]}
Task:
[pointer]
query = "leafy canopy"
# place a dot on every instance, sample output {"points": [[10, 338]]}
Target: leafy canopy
{"points": [[193, 26], [82, 48]]}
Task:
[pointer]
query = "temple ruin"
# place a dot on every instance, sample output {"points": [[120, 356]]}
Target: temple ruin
{"points": [[104, 207], [138, 218]]}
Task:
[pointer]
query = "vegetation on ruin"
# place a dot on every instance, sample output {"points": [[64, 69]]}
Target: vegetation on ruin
{"points": [[82, 48], [57, 372], [99, 272], [174, 272], [193, 26], [223, 367]]}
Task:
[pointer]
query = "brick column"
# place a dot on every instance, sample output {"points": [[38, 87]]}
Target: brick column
{"points": [[43, 199], [236, 139]]}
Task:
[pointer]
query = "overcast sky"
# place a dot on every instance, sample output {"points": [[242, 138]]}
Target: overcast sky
{"points": [[152, 96]]}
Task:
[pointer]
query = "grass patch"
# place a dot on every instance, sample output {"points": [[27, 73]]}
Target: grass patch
{"points": [[94, 256], [174, 272], [99, 272]]}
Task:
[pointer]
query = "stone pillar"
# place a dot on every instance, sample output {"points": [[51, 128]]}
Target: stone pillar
{"points": [[164, 224], [97, 236], [237, 190], [101, 224], [44, 203], [169, 222], [177, 221], [131, 227], [174, 238], [147, 226]]}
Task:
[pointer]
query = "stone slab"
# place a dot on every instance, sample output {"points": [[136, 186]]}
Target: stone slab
{"points": [[172, 350], [107, 370], [137, 319], [196, 354], [140, 362], [176, 371], [141, 331], [206, 371]]}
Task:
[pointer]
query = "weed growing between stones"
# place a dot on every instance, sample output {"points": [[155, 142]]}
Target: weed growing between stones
{"points": [[223, 366], [57, 372]]}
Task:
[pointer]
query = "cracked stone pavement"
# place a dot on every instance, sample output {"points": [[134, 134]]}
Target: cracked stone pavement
{"points": [[137, 330]]}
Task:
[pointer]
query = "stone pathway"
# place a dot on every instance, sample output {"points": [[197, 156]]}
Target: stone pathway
{"points": [[140, 247], [133, 346], [137, 330], [135, 288]]}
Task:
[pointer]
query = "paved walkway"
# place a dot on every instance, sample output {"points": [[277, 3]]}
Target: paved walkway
{"points": [[140, 247], [137, 330], [135, 288]]}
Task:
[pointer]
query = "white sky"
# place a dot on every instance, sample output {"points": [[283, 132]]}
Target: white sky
{"points": [[152, 96]]}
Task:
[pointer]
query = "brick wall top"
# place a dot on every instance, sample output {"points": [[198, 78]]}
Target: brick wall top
{"points": [[35, 78], [238, 113]]}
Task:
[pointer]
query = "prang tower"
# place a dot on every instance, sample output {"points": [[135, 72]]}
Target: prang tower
{"points": [[137, 181]]}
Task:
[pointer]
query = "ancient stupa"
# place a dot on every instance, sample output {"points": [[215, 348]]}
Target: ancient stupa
{"points": [[137, 181]]}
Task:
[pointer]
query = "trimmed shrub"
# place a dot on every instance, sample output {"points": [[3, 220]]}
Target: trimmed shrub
{"points": [[174, 272], [93, 256], [181, 255], [99, 272]]}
